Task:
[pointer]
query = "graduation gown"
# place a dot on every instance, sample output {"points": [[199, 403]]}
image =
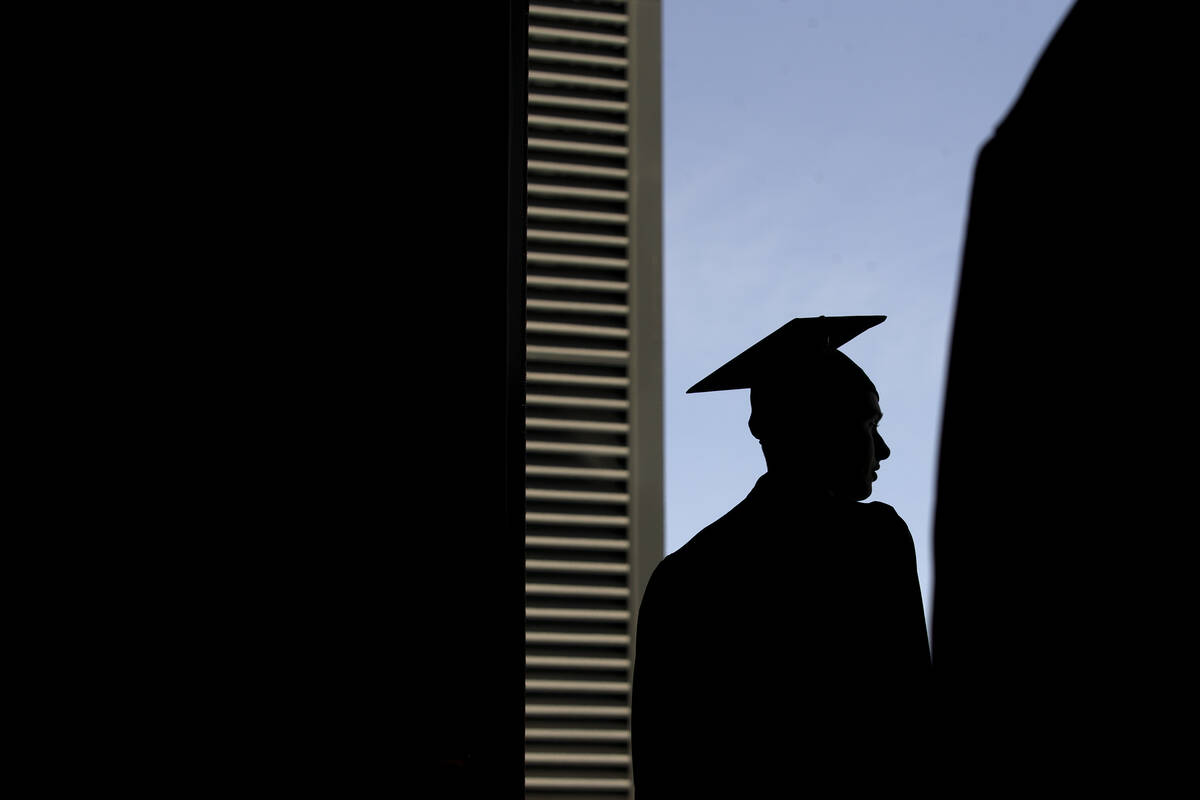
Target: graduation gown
{"points": [[784, 646]]}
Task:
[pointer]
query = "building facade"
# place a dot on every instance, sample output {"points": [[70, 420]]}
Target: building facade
{"points": [[594, 428]]}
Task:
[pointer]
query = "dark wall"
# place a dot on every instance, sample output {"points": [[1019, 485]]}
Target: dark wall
{"points": [[1057, 611], [296, 413], [469, 453]]}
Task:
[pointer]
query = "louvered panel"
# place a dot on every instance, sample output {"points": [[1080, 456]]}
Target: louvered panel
{"points": [[578, 615]]}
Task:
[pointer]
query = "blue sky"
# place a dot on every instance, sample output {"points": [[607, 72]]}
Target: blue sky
{"points": [[818, 160]]}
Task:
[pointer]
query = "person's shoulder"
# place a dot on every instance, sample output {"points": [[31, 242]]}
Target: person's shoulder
{"points": [[698, 555], [880, 509], [713, 540], [888, 520]]}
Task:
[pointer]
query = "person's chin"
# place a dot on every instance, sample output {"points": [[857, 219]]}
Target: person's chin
{"points": [[856, 493], [865, 490]]}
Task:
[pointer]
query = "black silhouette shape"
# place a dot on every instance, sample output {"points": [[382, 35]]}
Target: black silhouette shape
{"points": [[785, 643], [1064, 610]]}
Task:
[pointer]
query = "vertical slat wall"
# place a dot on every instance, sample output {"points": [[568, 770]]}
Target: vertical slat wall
{"points": [[578, 544]]}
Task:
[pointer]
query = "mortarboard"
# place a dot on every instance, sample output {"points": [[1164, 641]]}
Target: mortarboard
{"points": [[791, 348]]}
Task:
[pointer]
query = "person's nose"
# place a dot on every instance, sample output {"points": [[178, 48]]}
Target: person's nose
{"points": [[882, 451]]}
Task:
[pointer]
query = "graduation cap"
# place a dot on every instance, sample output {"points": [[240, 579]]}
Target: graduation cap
{"points": [[788, 353]]}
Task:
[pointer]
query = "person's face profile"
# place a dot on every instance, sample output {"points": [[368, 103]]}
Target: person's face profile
{"points": [[850, 446], [860, 451]]}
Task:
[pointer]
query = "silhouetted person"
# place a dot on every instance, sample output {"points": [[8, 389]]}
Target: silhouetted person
{"points": [[1064, 619], [785, 646]]}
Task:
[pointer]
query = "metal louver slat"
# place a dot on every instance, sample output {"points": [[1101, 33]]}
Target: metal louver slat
{"points": [[549, 190], [576, 496], [577, 58], [574, 448], [573, 590], [567, 101], [574, 237], [551, 121], [572, 146], [567, 329], [534, 423], [577, 614], [578, 284], [587, 261], [537, 710], [603, 568], [570, 543], [569, 734], [575, 355], [586, 473], [576, 758], [572, 13], [577, 380], [583, 520], [566, 662], [544, 77], [575, 402], [583, 687], [544, 33], [576, 307], [563, 168], [542, 212], [582, 639], [579, 784]]}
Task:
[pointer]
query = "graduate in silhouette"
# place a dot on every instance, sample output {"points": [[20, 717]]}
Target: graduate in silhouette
{"points": [[784, 646]]}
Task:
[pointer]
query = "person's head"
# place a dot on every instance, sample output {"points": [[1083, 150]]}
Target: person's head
{"points": [[819, 425], [814, 410]]}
